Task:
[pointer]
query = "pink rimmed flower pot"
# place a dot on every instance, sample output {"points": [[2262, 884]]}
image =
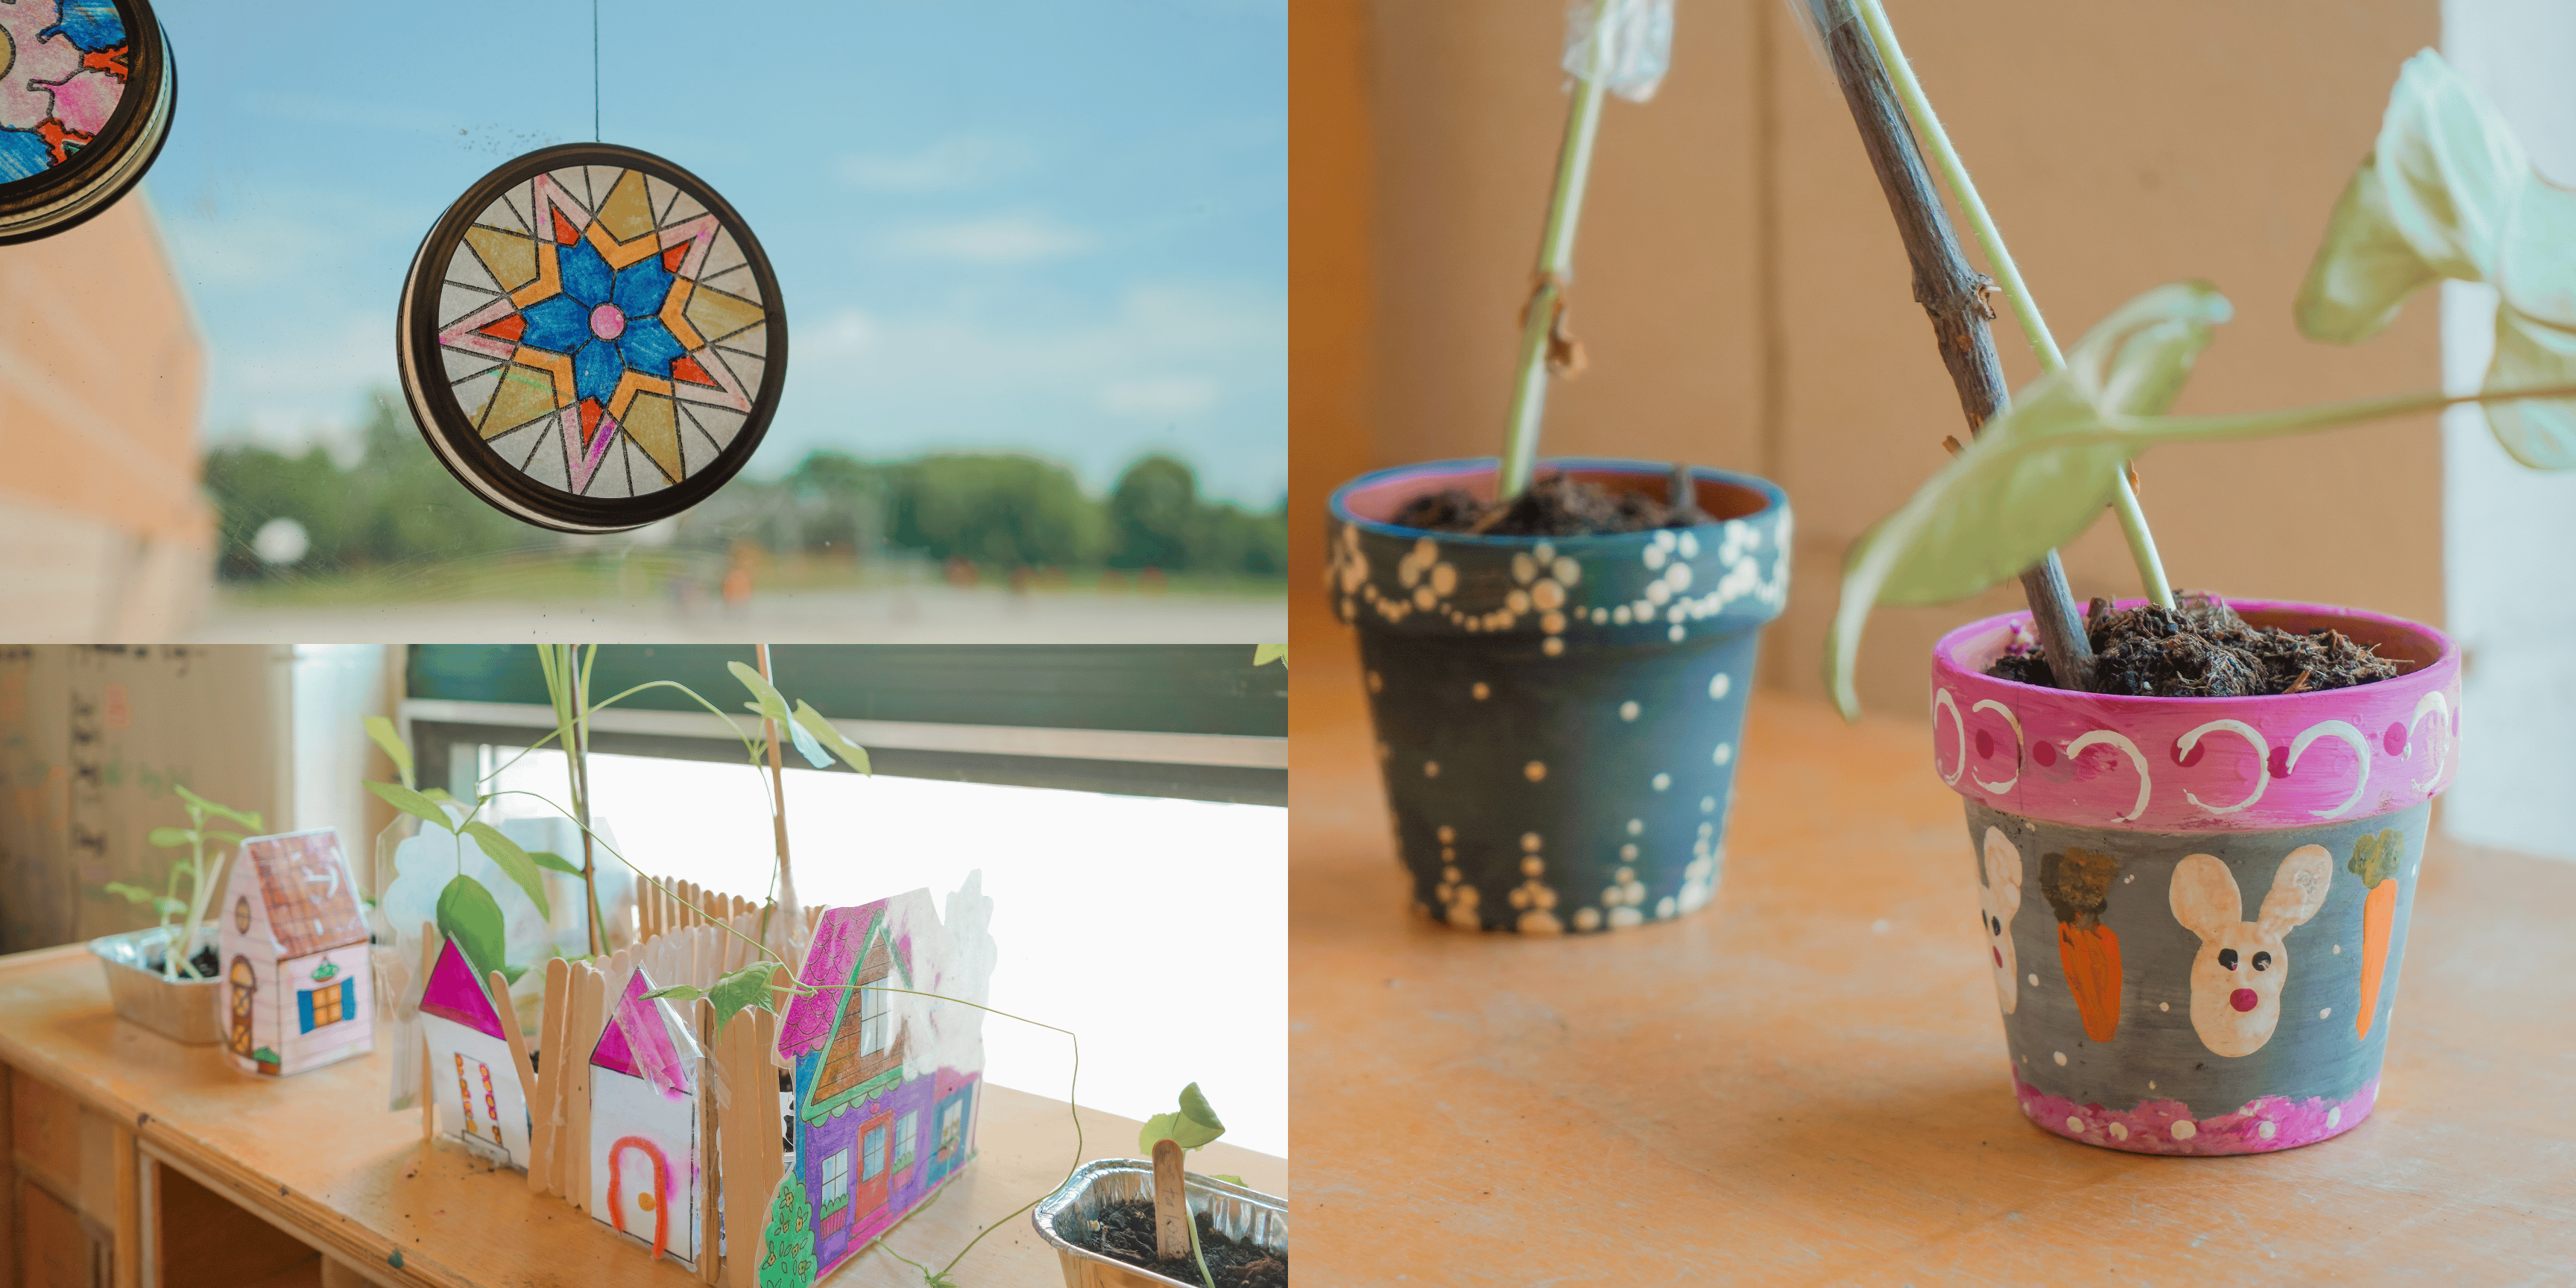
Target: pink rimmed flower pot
{"points": [[2194, 908]]}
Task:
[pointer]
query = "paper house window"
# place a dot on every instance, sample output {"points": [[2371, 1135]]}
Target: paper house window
{"points": [[836, 1180], [952, 1125], [872, 1020], [872, 1154], [590, 338], [906, 1129], [328, 1004], [298, 986]]}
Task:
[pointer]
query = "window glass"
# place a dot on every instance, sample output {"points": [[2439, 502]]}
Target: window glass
{"points": [[872, 1154], [836, 1178], [904, 1130]]}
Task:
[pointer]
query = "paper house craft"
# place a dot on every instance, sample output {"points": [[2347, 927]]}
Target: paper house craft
{"points": [[481, 1100], [297, 988], [644, 1172], [885, 1082]]}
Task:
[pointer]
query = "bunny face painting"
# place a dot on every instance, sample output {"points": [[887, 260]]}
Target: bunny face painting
{"points": [[2236, 977], [1998, 898]]}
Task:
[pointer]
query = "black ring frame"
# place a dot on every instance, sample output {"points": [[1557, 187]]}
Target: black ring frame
{"points": [[460, 446], [148, 64]]}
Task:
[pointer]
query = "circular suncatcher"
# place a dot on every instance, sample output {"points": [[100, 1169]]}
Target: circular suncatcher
{"points": [[591, 339], [86, 91]]}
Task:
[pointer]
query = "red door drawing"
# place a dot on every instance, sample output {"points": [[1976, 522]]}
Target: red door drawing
{"points": [[876, 1158]]}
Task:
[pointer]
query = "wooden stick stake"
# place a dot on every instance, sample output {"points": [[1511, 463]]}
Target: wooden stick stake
{"points": [[710, 1121], [1954, 294], [430, 941], [1171, 1201], [547, 1102], [500, 989]]}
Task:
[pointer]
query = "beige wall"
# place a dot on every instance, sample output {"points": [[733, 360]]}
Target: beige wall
{"points": [[2119, 145]]}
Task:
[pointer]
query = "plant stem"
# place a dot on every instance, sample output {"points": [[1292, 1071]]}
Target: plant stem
{"points": [[1953, 297], [1555, 265], [1981, 221], [784, 880]]}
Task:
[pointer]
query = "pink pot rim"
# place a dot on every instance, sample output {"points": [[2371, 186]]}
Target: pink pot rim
{"points": [[2201, 764]]}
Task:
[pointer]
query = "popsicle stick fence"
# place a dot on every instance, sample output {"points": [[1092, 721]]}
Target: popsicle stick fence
{"points": [[742, 1151]]}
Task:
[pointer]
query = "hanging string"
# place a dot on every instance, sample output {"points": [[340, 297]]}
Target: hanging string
{"points": [[595, 135]]}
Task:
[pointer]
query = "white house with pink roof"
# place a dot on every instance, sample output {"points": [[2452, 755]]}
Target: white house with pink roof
{"points": [[644, 1137]]}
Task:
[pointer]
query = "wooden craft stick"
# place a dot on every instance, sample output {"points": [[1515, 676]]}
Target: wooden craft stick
{"points": [[592, 995], [500, 988], [543, 1173], [430, 941], [773, 1138], [708, 1125], [1171, 1201], [740, 1167]]}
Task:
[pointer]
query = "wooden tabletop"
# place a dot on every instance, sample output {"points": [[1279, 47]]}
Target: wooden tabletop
{"points": [[1806, 1081], [319, 1153]]}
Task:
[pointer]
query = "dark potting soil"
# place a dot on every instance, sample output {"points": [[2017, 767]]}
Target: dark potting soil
{"points": [[1555, 506], [2202, 649], [204, 961], [1126, 1231]]}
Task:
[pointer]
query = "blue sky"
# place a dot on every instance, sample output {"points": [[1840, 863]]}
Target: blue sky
{"points": [[1026, 225]]}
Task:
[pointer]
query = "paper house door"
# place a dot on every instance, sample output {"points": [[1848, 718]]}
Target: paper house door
{"points": [[480, 1099], [644, 1173], [298, 989]]}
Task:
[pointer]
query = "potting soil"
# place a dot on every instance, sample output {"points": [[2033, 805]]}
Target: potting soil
{"points": [[1126, 1231], [1554, 506], [205, 961], [2202, 649]]}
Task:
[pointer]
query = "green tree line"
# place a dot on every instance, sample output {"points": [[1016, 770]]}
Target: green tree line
{"points": [[396, 505]]}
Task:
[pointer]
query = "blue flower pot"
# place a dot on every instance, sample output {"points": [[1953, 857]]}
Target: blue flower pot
{"points": [[1557, 718]]}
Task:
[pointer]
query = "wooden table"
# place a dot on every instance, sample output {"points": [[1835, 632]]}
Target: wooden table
{"points": [[1806, 1081], [134, 1161]]}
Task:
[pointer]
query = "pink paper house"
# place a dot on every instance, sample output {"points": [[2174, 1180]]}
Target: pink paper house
{"points": [[297, 988], [644, 1142]]}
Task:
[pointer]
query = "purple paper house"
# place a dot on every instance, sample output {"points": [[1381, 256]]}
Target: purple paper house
{"points": [[883, 1113]]}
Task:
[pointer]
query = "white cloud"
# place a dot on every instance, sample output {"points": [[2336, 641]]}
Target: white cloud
{"points": [[958, 161], [846, 334], [1000, 239], [1158, 396]]}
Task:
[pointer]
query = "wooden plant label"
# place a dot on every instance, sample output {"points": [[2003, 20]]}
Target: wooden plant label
{"points": [[1171, 1201]]}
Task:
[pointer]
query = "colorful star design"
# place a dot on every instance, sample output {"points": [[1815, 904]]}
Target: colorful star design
{"points": [[605, 324]]}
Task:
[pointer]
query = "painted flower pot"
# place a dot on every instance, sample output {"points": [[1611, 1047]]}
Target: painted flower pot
{"points": [[1557, 718], [2194, 908]]}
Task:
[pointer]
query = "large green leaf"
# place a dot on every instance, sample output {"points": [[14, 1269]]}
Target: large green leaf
{"points": [[413, 803], [514, 862], [813, 722], [1196, 1124], [467, 914], [382, 730], [554, 862], [2449, 192], [766, 700], [747, 987], [169, 837], [2034, 477]]}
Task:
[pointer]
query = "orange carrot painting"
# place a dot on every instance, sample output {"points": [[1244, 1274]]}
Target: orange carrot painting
{"points": [[2375, 860], [2077, 885]]}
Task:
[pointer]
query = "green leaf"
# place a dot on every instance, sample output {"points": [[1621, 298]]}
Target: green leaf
{"points": [[768, 703], [1196, 1124], [554, 862], [743, 988], [813, 722], [167, 837], [2448, 191], [413, 803], [1231, 1179], [132, 893], [514, 862], [438, 794], [807, 747], [468, 915], [679, 992], [250, 820], [382, 730], [1265, 654], [218, 834], [2033, 478]]}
